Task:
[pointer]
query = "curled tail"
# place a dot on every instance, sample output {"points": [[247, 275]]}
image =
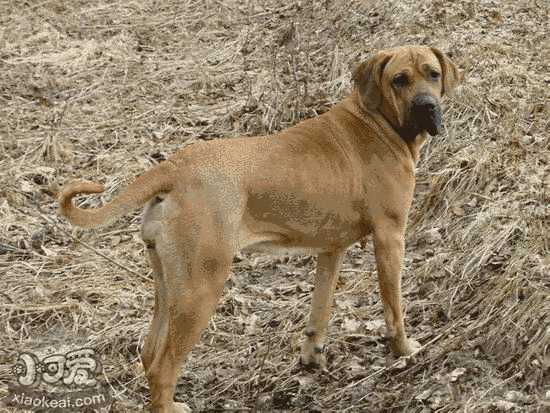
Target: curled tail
{"points": [[146, 186]]}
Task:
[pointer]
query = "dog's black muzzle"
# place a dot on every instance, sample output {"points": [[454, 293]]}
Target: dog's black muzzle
{"points": [[426, 112]]}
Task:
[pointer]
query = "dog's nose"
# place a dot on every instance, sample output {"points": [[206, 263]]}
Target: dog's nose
{"points": [[424, 103], [426, 111]]}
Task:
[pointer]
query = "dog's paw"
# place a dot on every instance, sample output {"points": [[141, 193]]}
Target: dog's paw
{"points": [[313, 357], [406, 347], [181, 408], [173, 407]]}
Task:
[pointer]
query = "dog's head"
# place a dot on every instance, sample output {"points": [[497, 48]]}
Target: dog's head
{"points": [[406, 84]]}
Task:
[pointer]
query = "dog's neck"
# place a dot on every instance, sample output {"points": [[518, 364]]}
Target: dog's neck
{"points": [[377, 120]]}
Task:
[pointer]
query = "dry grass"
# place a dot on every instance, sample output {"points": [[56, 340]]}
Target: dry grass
{"points": [[103, 90]]}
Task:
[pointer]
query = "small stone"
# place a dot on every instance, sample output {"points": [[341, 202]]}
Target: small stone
{"points": [[504, 405], [456, 373], [424, 395]]}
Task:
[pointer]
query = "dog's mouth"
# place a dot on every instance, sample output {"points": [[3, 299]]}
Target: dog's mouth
{"points": [[425, 115], [430, 120]]}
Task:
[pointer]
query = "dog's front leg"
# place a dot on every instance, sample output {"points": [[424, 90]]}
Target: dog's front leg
{"points": [[328, 267], [389, 247]]}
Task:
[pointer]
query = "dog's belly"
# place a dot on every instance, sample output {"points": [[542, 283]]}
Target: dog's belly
{"points": [[288, 231], [274, 244], [274, 249]]}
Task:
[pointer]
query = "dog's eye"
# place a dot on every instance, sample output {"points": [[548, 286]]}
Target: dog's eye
{"points": [[400, 80], [435, 75]]}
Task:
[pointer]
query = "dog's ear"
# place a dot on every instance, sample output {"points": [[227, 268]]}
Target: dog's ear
{"points": [[450, 73], [367, 78]]}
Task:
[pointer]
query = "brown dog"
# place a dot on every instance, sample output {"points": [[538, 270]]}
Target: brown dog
{"points": [[317, 187]]}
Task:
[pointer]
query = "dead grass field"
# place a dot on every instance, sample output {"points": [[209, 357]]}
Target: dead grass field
{"points": [[103, 90]]}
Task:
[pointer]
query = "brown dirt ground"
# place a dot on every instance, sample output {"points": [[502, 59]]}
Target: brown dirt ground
{"points": [[104, 90]]}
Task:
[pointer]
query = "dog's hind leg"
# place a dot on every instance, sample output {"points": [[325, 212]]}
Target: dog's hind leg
{"points": [[153, 339], [158, 333], [328, 267], [195, 255]]}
